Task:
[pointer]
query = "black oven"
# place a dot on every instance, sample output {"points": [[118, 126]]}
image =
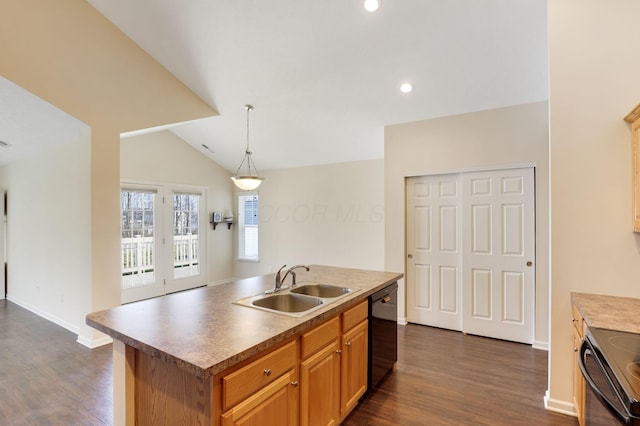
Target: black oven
{"points": [[610, 363]]}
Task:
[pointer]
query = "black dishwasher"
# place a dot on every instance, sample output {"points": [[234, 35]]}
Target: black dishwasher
{"points": [[383, 333]]}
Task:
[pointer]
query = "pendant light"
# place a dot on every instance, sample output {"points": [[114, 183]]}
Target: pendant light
{"points": [[247, 181]]}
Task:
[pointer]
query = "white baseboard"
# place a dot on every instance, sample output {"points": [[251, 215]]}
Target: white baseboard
{"points": [[54, 319], [402, 320], [537, 344], [559, 406], [94, 343], [85, 341], [223, 281]]}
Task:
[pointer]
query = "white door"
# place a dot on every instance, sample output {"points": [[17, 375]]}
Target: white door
{"points": [[470, 252], [498, 255], [433, 243], [163, 245]]}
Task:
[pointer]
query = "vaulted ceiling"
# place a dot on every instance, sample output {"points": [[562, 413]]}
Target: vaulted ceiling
{"points": [[324, 77]]}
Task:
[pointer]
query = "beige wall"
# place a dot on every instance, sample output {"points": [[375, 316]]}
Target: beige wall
{"points": [[69, 55], [594, 69], [486, 139], [163, 157], [331, 215], [49, 233]]}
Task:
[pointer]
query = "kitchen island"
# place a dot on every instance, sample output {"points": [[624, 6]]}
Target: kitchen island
{"points": [[178, 358]]}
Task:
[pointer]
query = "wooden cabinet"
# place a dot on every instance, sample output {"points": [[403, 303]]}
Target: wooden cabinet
{"points": [[355, 331], [333, 371], [331, 360], [354, 366], [634, 119], [264, 392], [320, 375], [579, 328], [274, 405]]}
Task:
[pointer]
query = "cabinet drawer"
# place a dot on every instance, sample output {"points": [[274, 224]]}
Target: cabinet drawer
{"points": [[355, 315], [247, 380], [320, 336]]}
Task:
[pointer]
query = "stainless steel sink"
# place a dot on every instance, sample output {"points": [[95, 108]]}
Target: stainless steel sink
{"points": [[298, 301], [288, 302], [321, 290]]}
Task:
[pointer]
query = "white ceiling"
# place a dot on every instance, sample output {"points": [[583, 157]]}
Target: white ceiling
{"points": [[324, 76], [30, 125]]}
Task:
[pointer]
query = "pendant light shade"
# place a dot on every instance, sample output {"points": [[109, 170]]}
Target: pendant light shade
{"points": [[249, 180]]}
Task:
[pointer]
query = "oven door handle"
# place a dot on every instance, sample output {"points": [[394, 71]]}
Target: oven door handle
{"points": [[603, 399]]}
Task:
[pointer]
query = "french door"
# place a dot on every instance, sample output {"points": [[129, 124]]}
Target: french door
{"points": [[470, 252], [163, 245]]}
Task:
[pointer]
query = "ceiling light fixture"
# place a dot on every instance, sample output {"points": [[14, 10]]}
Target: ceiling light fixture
{"points": [[371, 5], [406, 87], [248, 181]]}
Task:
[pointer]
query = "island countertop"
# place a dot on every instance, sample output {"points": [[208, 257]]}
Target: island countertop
{"points": [[203, 332]]}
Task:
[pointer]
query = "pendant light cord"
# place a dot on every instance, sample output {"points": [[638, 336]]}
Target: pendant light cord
{"points": [[248, 108]]}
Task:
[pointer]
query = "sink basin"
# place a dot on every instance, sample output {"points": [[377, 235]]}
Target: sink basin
{"points": [[298, 301], [321, 290], [288, 302]]}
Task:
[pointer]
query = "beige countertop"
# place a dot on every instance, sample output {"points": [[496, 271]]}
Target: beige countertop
{"points": [[612, 312], [203, 332]]}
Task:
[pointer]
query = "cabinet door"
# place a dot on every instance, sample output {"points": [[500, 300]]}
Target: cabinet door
{"points": [[354, 366], [320, 387], [578, 380], [274, 405]]}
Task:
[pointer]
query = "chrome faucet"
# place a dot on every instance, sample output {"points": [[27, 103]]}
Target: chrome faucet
{"points": [[279, 278]]}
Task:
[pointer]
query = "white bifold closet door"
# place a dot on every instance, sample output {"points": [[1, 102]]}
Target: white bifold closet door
{"points": [[470, 252]]}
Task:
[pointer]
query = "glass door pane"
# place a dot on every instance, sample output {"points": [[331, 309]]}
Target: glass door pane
{"points": [[185, 235], [139, 245]]}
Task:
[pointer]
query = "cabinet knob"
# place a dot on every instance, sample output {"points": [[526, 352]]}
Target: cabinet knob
{"points": [[410, 256], [339, 351], [267, 372], [529, 263], [348, 344], [294, 384]]}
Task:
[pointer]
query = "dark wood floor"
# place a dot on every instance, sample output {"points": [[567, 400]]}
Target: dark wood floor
{"points": [[46, 378], [447, 378], [443, 378]]}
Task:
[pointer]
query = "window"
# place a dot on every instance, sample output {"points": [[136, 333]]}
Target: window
{"points": [[248, 227]]}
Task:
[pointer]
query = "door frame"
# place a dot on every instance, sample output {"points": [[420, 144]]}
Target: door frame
{"points": [[3, 243]]}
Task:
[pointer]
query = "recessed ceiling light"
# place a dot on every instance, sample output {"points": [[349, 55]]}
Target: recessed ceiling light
{"points": [[371, 5], [406, 87]]}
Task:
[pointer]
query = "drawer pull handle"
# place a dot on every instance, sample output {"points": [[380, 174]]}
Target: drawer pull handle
{"points": [[267, 372], [294, 384], [348, 344]]}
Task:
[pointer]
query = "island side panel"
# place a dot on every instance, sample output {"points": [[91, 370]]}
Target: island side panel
{"points": [[166, 394]]}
